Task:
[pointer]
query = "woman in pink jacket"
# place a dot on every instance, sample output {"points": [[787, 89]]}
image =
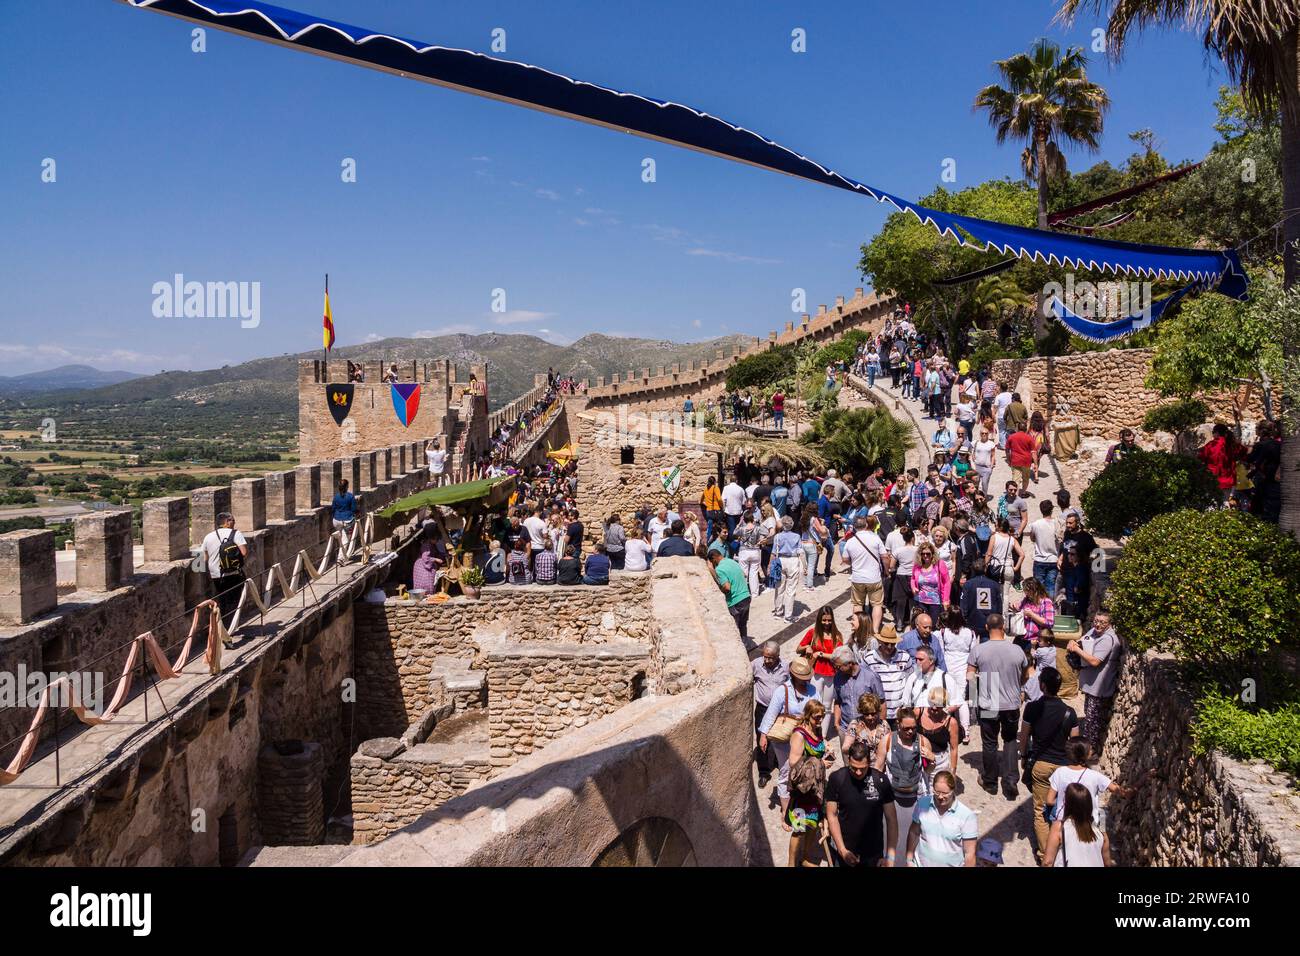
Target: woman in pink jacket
{"points": [[931, 582]]}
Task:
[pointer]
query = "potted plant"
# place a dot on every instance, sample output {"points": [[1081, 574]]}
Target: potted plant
{"points": [[471, 582]]}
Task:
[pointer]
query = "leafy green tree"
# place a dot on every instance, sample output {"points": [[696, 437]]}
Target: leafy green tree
{"points": [[1047, 102], [762, 369], [1259, 44], [859, 438], [1216, 344]]}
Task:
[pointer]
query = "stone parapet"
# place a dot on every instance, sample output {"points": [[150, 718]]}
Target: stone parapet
{"points": [[1191, 809]]}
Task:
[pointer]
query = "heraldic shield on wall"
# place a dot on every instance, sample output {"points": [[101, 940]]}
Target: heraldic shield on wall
{"points": [[339, 399], [406, 401]]}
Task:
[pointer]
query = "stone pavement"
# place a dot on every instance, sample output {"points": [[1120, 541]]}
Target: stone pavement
{"points": [[1008, 821]]}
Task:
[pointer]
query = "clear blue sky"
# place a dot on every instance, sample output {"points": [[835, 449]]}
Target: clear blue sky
{"points": [[225, 166]]}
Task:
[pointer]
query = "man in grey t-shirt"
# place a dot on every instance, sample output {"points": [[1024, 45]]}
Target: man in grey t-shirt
{"points": [[1100, 651], [997, 669]]}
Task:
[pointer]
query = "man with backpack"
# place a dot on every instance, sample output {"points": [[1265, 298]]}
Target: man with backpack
{"points": [[225, 550]]}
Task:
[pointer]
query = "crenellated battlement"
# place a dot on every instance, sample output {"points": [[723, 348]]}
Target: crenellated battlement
{"points": [[673, 383], [91, 629]]}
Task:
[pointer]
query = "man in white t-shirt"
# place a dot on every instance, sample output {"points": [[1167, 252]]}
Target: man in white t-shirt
{"points": [[865, 553], [536, 527], [733, 504], [1000, 404], [1047, 550], [437, 464], [657, 526], [226, 569]]}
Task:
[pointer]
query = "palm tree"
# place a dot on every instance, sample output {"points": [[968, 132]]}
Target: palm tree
{"points": [[1259, 43], [1047, 100], [860, 438], [996, 296]]}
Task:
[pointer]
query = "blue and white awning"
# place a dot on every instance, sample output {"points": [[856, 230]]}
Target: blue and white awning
{"points": [[679, 125]]}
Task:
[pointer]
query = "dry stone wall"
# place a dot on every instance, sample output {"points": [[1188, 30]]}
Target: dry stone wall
{"points": [[536, 694], [1196, 809], [392, 787], [1104, 392], [608, 484], [401, 645]]}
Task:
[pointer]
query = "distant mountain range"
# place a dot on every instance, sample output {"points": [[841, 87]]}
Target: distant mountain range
{"points": [[511, 360], [63, 377]]}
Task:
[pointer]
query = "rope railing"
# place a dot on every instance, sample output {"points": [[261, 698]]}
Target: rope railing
{"points": [[341, 547]]}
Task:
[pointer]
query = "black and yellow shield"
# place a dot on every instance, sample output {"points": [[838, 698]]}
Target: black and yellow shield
{"points": [[339, 399]]}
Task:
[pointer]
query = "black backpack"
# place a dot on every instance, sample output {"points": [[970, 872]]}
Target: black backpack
{"points": [[229, 558]]}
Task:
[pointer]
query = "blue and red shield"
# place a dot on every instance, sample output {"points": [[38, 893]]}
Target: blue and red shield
{"points": [[406, 401]]}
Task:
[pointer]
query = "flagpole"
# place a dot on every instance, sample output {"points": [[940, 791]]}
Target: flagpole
{"points": [[326, 350]]}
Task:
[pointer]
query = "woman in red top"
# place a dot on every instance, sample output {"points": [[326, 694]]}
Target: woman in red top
{"points": [[818, 645], [1220, 455]]}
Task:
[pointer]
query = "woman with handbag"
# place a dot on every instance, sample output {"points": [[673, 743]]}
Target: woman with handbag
{"points": [[1002, 559], [801, 815], [1038, 610], [783, 713]]}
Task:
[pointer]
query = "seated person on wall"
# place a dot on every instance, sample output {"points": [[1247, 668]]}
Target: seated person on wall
{"points": [[569, 570], [597, 567], [431, 560], [494, 569]]}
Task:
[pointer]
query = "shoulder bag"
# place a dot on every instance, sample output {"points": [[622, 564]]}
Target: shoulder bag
{"points": [[784, 725]]}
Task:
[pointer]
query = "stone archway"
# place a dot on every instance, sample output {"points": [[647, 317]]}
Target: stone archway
{"points": [[652, 841]]}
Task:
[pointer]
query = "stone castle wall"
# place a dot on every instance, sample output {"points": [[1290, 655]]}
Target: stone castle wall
{"points": [[1104, 392], [608, 486], [188, 791], [90, 629], [372, 422], [666, 387], [680, 752], [536, 694], [403, 645], [1190, 809]]}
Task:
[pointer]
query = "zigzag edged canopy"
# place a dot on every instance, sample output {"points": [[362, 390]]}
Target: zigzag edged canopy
{"points": [[679, 125]]}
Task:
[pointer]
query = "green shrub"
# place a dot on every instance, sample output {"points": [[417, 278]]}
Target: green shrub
{"points": [[24, 523], [1223, 723], [1213, 588], [1142, 485], [762, 369], [855, 439], [1177, 416]]}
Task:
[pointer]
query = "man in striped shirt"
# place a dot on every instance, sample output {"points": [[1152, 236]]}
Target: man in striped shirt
{"points": [[918, 496], [892, 666]]}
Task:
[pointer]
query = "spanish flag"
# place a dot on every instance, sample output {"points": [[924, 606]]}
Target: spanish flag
{"points": [[328, 322]]}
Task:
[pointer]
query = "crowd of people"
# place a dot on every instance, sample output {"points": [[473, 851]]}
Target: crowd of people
{"points": [[954, 602]]}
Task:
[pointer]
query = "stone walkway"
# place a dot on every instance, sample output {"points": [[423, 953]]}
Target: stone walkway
{"points": [[1008, 821]]}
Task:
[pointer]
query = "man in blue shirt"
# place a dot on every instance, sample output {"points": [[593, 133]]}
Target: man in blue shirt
{"points": [[812, 489], [786, 549], [943, 436], [921, 634], [779, 495]]}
